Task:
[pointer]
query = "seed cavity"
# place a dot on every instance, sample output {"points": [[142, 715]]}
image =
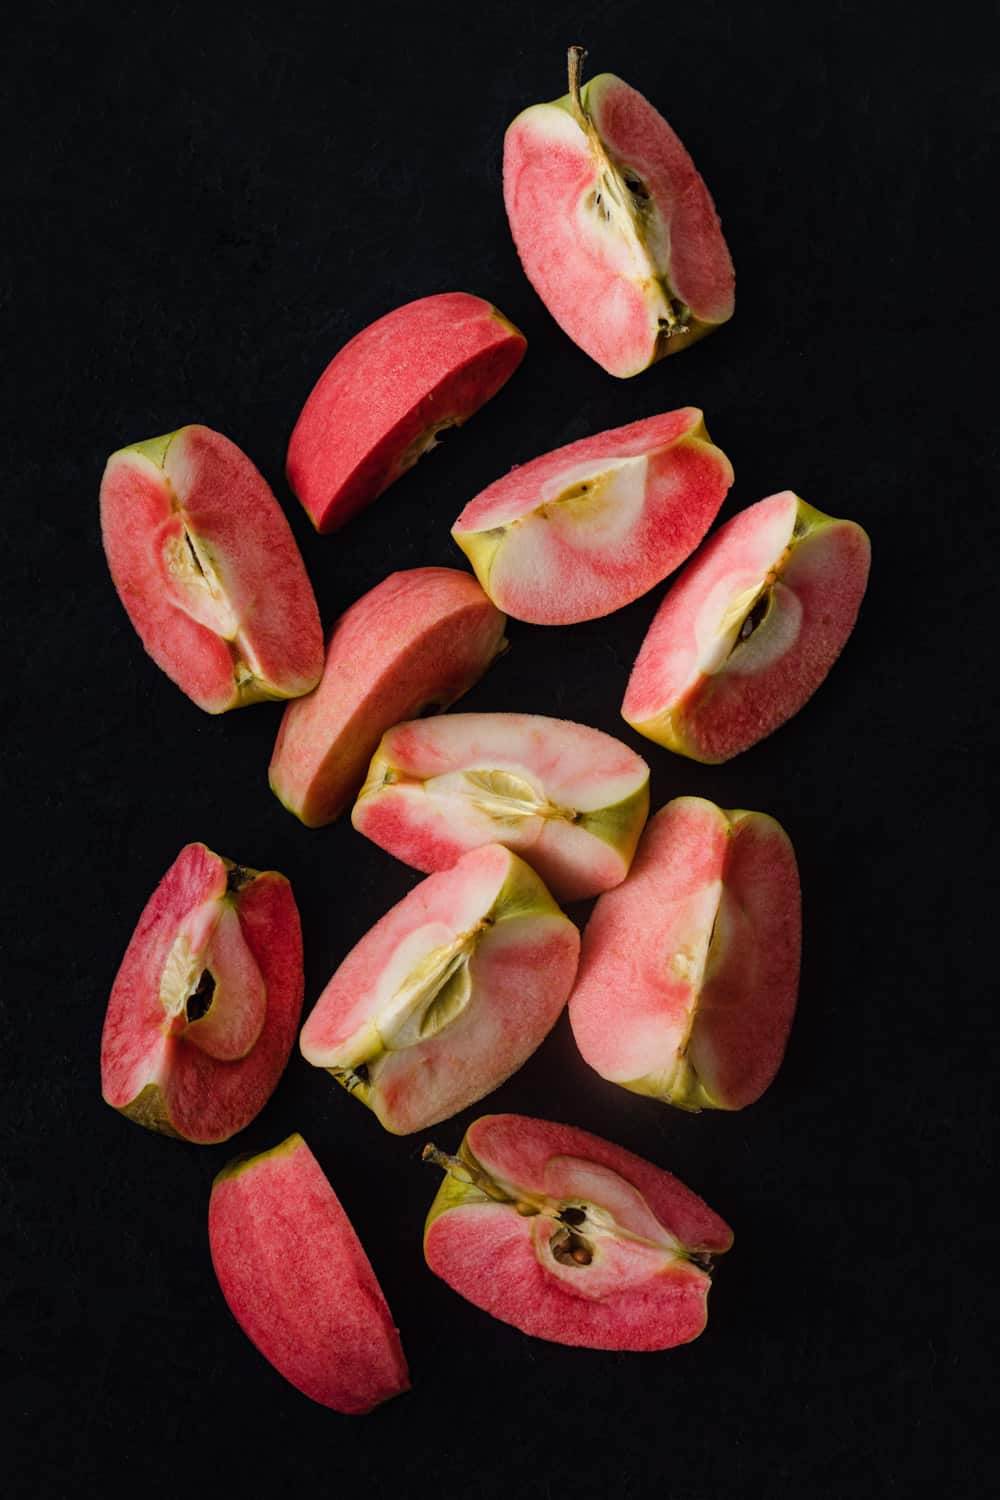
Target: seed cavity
{"points": [[571, 1249], [199, 1002], [756, 617]]}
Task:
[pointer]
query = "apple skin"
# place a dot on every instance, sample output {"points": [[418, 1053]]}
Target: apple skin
{"points": [[298, 1282], [417, 641], [155, 1069], [439, 787], [448, 994], [689, 970], [584, 530], [614, 226], [382, 399], [494, 1229], [703, 688], [207, 568]]}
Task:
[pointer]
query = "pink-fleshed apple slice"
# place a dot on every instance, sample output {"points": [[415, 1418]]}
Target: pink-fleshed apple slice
{"points": [[447, 995], [571, 1238], [749, 630], [381, 402], [615, 228], [570, 800], [584, 530], [207, 1000], [206, 566], [689, 970], [411, 645], [298, 1282]]}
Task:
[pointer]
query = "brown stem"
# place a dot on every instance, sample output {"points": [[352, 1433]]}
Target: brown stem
{"points": [[463, 1172], [575, 58]]}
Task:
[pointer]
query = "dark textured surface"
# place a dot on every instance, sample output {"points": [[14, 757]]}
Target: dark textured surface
{"points": [[206, 203]]}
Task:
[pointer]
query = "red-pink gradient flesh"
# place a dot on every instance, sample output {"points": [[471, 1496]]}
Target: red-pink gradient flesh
{"points": [[298, 1282], [378, 404]]}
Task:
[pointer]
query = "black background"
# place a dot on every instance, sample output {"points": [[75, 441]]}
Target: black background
{"points": [[207, 202]]}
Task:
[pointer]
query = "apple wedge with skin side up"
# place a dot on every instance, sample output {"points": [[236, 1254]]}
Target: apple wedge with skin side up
{"points": [[207, 568], [411, 645], [204, 1009], [689, 970], [571, 1238], [568, 799], [615, 228], [447, 995], [298, 1282], [749, 630], [381, 402], [581, 532]]}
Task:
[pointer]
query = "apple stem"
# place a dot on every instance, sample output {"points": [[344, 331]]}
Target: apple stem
{"points": [[575, 58], [463, 1172]]}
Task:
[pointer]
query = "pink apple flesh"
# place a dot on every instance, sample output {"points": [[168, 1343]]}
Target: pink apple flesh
{"points": [[570, 1238], [207, 1000], [448, 994], [413, 644], [689, 970], [298, 1282], [207, 568], [749, 630], [615, 228], [380, 403], [584, 530], [570, 800]]}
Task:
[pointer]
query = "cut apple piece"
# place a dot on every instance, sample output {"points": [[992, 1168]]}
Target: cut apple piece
{"points": [[204, 1009], [570, 1238], [584, 530], [206, 566], [380, 403], [689, 970], [749, 630], [448, 994], [298, 1282], [615, 228], [411, 645], [570, 800]]}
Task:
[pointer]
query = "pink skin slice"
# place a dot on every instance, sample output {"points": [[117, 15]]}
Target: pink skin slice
{"points": [[416, 641], [207, 568], [626, 252], [205, 1079], [689, 970], [381, 401], [708, 681], [648, 1237], [298, 1282], [584, 530], [570, 800], [519, 956]]}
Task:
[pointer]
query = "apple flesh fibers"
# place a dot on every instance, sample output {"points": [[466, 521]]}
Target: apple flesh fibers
{"points": [[207, 1000], [380, 403], [570, 1238], [584, 530], [570, 800], [411, 645], [749, 630], [615, 228], [448, 994], [207, 568], [298, 1282], [689, 970]]}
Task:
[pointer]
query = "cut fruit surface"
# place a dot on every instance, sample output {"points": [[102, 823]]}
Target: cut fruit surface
{"points": [[570, 800], [689, 970], [298, 1282], [206, 566], [448, 994], [571, 1238], [584, 530], [206, 1002], [614, 226], [411, 645], [380, 403], [749, 630]]}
